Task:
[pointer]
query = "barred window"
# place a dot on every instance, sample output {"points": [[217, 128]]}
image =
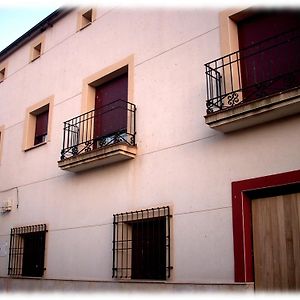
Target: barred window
{"points": [[141, 244], [27, 251]]}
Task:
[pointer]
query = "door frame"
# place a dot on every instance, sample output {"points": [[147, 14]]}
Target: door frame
{"points": [[242, 217]]}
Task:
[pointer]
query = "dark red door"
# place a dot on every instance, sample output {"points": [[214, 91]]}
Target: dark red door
{"points": [[111, 107], [270, 63]]}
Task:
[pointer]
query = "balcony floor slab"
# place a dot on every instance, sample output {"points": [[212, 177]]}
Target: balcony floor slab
{"points": [[98, 157], [255, 112]]}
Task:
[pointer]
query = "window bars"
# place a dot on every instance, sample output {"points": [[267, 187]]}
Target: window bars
{"points": [[141, 244], [27, 251]]}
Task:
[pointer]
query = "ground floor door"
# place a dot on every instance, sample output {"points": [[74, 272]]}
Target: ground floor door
{"points": [[276, 242]]}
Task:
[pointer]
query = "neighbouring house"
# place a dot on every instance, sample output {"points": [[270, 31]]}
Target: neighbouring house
{"points": [[151, 149]]}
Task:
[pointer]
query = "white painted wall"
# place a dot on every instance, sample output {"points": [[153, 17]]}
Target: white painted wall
{"points": [[180, 161]]}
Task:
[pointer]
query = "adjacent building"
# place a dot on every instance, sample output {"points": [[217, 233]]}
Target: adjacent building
{"points": [[151, 149]]}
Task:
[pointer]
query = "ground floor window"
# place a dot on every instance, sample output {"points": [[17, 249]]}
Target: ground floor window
{"points": [[141, 244], [27, 251]]}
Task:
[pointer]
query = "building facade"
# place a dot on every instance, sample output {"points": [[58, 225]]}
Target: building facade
{"points": [[151, 149]]}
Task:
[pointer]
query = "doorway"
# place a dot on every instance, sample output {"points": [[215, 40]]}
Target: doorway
{"points": [[276, 242]]}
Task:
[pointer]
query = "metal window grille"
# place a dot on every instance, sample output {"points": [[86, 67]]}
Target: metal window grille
{"points": [[27, 251], [141, 244]]}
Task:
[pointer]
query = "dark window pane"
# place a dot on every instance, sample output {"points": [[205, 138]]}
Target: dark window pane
{"points": [[41, 127]]}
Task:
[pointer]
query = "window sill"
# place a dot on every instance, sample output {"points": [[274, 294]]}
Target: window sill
{"points": [[24, 277], [98, 157], [84, 26], [36, 146], [256, 112], [34, 59]]}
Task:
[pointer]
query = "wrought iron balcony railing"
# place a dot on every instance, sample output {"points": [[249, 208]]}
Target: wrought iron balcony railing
{"points": [[263, 69], [111, 124]]}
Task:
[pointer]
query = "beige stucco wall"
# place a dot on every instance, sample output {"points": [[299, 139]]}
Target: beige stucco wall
{"points": [[180, 161]]}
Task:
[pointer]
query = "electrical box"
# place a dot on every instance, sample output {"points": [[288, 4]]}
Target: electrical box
{"points": [[6, 205]]}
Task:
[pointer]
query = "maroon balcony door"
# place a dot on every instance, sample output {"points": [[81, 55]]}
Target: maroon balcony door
{"points": [[270, 63], [111, 107]]}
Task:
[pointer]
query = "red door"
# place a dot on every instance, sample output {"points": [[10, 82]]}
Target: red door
{"points": [[273, 65], [111, 107]]}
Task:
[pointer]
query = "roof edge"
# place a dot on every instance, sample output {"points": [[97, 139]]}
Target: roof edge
{"points": [[34, 31]]}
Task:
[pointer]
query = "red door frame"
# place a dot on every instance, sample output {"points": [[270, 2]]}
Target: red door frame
{"points": [[241, 218]]}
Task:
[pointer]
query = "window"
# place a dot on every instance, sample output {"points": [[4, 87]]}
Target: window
{"points": [[41, 126], [107, 124], [260, 78], [37, 51], [37, 48], [141, 244], [86, 17], [2, 74], [111, 112], [27, 251], [269, 60], [37, 124]]}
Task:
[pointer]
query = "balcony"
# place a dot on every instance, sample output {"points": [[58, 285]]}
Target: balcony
{"points": [[99, 137], [254, 85]]}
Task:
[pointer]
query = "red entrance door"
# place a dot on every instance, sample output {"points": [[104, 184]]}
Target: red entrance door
{"points": [[111, 107], [270, 63]]}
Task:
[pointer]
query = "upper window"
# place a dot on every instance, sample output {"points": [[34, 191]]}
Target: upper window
{"points": [[269, 45], [107, 124], [259, 80], [37, 49], [141, 244], [111, 122], [41, 126], [37, 124], [27, 251], [2, 74], [85, 18], [265, 64]]}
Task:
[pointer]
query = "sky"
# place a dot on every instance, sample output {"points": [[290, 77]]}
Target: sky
{"points": [[15, 21]]}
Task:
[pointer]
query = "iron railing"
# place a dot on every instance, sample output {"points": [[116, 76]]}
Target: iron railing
{"points": [[141, 244], [111, 124], [263, 69]]}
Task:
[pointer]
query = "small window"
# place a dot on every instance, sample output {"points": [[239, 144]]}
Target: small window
{"points": [[2, 74], [37, 129], [36, 51], [41, 126], [27, 251], [141, 245], [37, 48], [86, 17]]}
